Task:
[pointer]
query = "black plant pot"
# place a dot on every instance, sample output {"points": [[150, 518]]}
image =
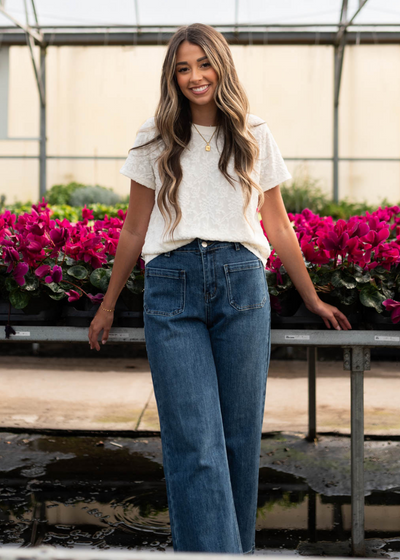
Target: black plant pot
{"points": [[305, 319], [287, 304], [124, 315], [302, 319], [39, 311], [378, 321]]}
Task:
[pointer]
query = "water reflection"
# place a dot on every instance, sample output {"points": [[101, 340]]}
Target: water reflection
{"points": [[71, 492]]}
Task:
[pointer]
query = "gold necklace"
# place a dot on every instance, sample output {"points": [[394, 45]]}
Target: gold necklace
{"points": [[208, 147]]}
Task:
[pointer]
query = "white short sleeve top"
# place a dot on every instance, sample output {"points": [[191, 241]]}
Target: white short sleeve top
{"points": [[212, 209]]}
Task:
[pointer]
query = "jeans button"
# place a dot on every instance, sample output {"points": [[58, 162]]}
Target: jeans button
{"points": [[204, 243]]}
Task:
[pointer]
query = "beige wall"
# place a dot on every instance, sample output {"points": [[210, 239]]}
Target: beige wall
{"points": [[99, 96]]}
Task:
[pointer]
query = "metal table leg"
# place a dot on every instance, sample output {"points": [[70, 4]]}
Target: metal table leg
{"points": [[357, 359], [312, 399]]}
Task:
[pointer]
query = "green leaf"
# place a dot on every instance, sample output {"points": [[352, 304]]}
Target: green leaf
{"points": [[346, 297], [325, 277], [78, 271], [362, 277], [19, 299], [380, 272], [370, 296], [100, 278], [343, 278], [387, 292], [58, 296], [69, 261], [55, 288], [135, 286], [31, 282], [11, 284]]}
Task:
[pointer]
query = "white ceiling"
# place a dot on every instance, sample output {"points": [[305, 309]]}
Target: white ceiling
{"points": [[182, 12]]}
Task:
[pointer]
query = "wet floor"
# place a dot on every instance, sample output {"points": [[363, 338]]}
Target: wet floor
{"points": [[109, 492]]}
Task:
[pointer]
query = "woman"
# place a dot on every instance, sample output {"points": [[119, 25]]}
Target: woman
{"points": [[206, 304]]}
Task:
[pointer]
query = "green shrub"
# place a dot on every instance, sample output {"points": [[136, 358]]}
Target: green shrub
{"points": [[61, 194], [304, 193], [91, 195]]}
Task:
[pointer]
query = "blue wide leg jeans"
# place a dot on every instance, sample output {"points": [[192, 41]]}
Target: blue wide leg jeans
{"points": [[207, 327]]}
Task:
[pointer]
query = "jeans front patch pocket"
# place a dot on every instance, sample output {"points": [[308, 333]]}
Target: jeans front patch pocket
{"points": [[164, 291], [246, 284]]}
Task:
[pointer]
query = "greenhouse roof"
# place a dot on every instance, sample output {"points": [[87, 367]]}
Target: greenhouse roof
{"points": [[243, 21]]}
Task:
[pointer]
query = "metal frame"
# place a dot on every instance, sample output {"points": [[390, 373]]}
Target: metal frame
{"points": [[356, 359]]}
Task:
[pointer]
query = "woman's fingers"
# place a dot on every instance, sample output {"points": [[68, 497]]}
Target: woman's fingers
{"points": [[93, 337], [340, 321], [98, 324], [331, 316], [104, 338]]}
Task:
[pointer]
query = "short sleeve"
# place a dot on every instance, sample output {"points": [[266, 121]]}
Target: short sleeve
{"points": [[139, 165], [273, 170]]}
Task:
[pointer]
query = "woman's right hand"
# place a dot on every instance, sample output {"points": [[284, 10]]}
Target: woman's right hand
{"points": [[102, 321]]}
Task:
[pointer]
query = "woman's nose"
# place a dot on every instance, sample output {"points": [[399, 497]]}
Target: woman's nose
{"points": [[196, 75]]}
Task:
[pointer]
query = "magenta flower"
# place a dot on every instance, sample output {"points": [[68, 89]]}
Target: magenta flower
{"points": [[87, 214], [313, 256], [10, 255], [73, 295], [393, 306], [98, 298], [42, 270], [19, 272], [334, 242], [59, 237], [54, 275]]}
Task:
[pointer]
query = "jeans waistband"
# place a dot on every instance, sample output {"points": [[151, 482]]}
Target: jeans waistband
{"points": [[197, 245]]}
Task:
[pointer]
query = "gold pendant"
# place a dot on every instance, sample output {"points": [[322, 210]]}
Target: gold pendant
{"points": [[208, 148]]}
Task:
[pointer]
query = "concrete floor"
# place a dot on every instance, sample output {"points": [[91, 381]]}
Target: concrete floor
{"points": [[117, 394]]}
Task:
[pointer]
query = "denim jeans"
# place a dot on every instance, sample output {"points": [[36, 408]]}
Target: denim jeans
{"points": [[207, 329]]}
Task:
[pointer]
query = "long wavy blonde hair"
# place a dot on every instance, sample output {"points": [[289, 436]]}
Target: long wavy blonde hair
{"points": [[173, 120]]}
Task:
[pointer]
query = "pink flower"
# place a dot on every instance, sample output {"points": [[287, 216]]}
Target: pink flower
{"points": [[42, 270], [54, 275], [98, 298], [393, 306], [73, 295], [19, 272], [313, 256], [87, 213]]}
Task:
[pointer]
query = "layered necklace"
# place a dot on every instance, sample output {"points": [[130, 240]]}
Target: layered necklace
{"points": [[208, 147]]}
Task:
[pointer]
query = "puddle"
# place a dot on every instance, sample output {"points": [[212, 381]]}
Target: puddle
{"points": [[109, 492]]}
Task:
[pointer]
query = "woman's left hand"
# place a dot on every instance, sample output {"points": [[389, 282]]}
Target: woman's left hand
{"points": [[330, 315]]}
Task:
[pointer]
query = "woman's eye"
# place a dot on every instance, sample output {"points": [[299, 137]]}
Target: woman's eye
{"points": [[204, 64]]}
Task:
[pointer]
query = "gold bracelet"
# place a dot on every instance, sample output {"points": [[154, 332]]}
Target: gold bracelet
{"points": [[109, 310]]}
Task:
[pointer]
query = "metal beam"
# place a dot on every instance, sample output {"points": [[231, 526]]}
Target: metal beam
{"points": [[27, 29], [43, 137], [340, 43], [259, 36], [279, 337], [345, 24]]}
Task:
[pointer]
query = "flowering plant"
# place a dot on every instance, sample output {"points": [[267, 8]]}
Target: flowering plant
{"points": [[54, 258], [356, 262]]}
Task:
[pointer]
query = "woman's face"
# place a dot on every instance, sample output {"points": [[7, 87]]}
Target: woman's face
{"points": [[193, 70]]}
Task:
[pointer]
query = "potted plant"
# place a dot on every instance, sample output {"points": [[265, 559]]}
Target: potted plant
{"points": [[353, 264], [47, 263]]}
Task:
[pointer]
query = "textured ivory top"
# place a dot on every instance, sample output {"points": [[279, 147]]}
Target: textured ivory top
{"points": [[212, 209]]}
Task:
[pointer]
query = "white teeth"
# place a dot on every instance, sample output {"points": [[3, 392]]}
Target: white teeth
{"points": [[201, 88]]}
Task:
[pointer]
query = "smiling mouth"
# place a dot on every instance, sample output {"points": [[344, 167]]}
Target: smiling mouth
{"points": [[202, 90]]}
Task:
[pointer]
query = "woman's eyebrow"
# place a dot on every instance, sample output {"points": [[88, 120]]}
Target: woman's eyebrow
{"points": [[198, 60]]}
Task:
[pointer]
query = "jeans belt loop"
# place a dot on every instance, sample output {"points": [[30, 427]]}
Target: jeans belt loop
{"points": [[167, 254], [237, 246]]}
